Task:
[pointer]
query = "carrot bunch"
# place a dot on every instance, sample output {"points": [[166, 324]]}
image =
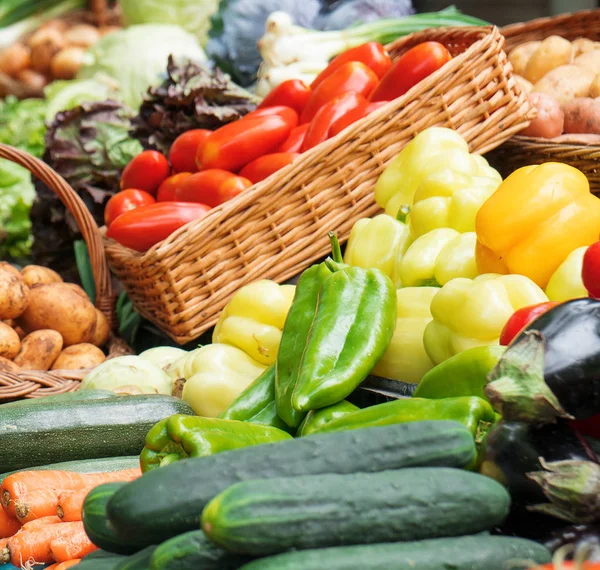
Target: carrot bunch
{"points": [[40, 518]]}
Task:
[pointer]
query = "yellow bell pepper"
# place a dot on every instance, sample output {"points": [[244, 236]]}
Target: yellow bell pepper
{"points": [[468, 313], [253, 319], [405, 358], [534, 220], [216, 374], [378, 242], [437, 257], [566, 282]]}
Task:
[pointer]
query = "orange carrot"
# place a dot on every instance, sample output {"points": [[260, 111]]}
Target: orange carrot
{"points": [[35, 523], [8, 525], [67, 564], [17, 488], [70, 504], [74, 545], [32, 546]]}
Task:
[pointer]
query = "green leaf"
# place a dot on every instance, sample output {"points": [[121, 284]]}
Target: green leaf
{"points": [[84, 267]]}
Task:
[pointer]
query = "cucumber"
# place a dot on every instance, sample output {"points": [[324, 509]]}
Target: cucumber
{"points": [[78, 395], [464, 553], [193, 551], [96, 524], [315, 511], [138, 561], [100, 465], [100, 562], [168, 501], [50, 432]]}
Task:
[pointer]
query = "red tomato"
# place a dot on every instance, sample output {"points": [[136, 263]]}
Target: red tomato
{"points": [[264, 166], [292, 93], [354, 115], [166, 191], [183, 150], [145, 172], [589, 426], [236, 144], [286, 113], [294, 142], [213, 187], [144, 227], [372, 54], [521, 318], [352, 76], [123, 202], [590, 273], [320, 126], [416, 64]]}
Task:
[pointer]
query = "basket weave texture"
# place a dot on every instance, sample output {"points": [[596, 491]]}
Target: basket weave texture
{"points": [[279, 226], [34, 383], [522, 151]]}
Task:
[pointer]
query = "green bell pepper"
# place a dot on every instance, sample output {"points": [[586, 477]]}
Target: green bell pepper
{"points": [[316, 419], [256, 404], [464, 374], [179, 437]]}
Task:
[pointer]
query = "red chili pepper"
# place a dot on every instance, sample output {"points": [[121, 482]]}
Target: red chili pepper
{"points": [[144, 227], [294, 142], [211, 187], [286, 113], [521, 318], [145, 172], [319, 129], [236, 144], [372, 54], [266, 165], [351, 76], [354, 115], [590, 273], [183, 150], [292, 93], [416, 64], [123, 202], [589, 426], [166, 191]]}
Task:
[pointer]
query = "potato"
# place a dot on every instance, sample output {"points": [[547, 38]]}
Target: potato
{"points": [[14, 294], [11, 268], [102, 331], [553, 52], [7, 365], [595, 87], [582, 116], [22, 334], [519, 56], [10, 343], [39, 350], [550, 118], [59, 307], [36, 275], [79, 290], [525, 85], [583, 45], [44, 44], [566, 83], [79, 356], [589, 60]]}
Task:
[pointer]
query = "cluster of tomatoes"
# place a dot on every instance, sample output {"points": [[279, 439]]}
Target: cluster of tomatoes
{"points": [[207, 168]]}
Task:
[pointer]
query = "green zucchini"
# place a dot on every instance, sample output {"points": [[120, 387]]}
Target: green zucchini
{"points": [[168, 501], [138, 561], [464, 553], [193, 551], [77, 396], [99, 465], [50, 432], [315, 511], [96, 524], [101, 562]]}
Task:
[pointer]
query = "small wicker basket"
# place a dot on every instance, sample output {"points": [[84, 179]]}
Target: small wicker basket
{"points": [[522, 151], [34, 383], [279, 226]]}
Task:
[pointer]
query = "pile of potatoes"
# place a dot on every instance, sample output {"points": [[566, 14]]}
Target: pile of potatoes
{"points": [[46, 324], [562, 79]]}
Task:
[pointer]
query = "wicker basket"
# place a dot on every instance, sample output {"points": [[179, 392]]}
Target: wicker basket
{"points": [[279, 226], [522, 151], [33, 383]]}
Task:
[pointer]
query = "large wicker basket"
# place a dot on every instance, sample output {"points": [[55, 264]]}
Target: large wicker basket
{"points": [[279, 226], [522, 151], [33, 383]]}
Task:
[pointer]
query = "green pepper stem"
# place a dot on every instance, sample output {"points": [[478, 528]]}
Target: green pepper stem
{"points": [[403, 213], [573, 489], [336, 250], [516, 386]]}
